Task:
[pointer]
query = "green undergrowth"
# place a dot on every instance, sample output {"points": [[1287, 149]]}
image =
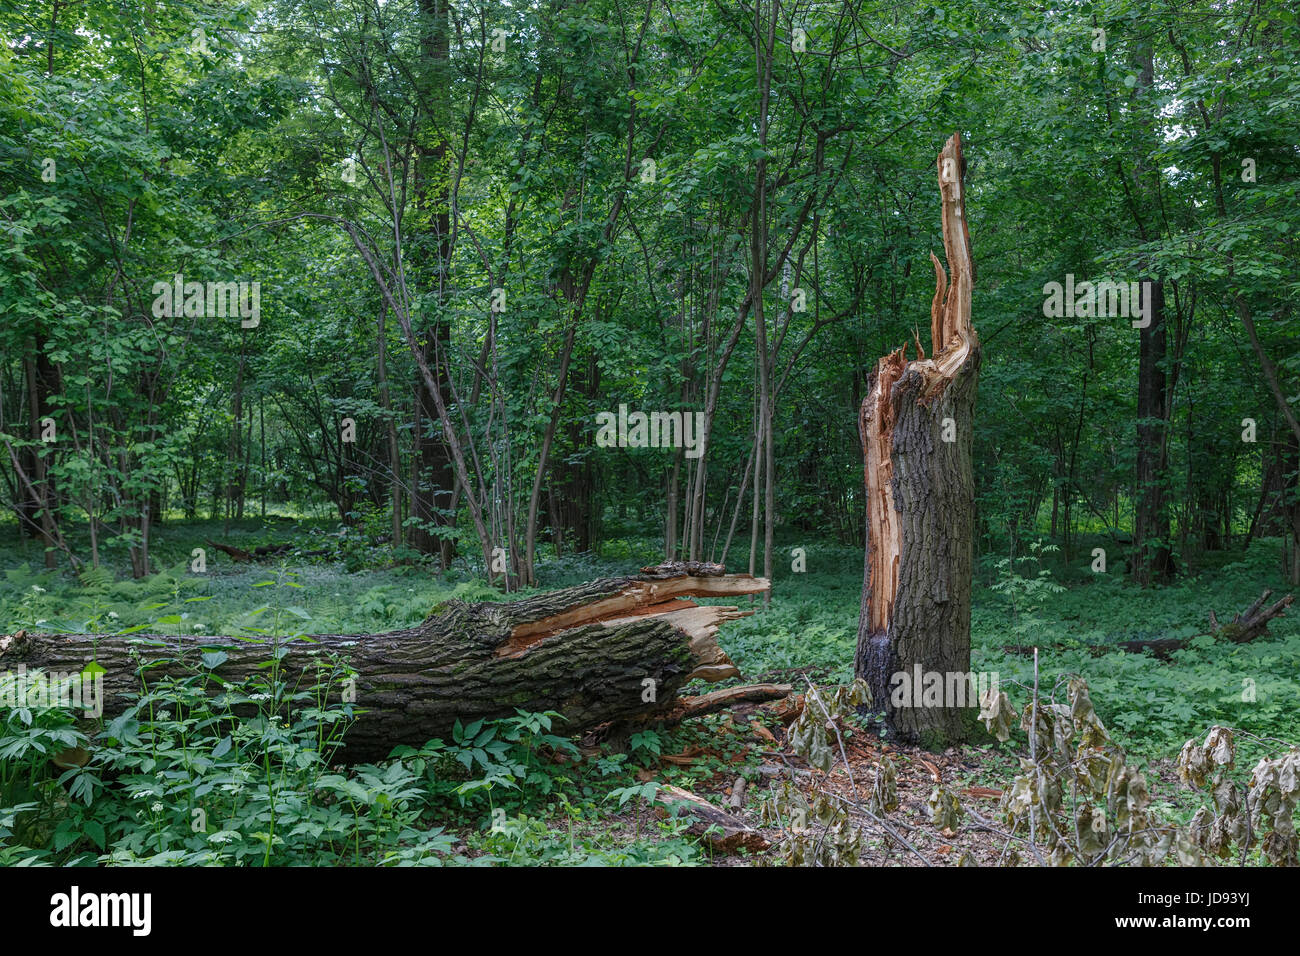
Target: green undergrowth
{"points": [[257, 760]]}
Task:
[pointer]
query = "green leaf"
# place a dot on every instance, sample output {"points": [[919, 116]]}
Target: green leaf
{"points": [[214, 659]]}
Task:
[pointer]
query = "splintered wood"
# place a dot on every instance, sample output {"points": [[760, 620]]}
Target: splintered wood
{"points": [[952, 338], [915, 423]]}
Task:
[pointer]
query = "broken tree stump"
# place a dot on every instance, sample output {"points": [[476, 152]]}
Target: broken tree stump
{"points": [[1252, 622], [915, 424], [605, 651]]}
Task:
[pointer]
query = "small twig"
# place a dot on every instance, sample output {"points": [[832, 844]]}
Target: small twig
{"points": [[1033, 758], [879, 821]]}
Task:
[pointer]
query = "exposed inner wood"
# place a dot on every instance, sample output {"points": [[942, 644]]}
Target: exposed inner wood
{"points": [[936, 305], [876, 426], [666, 598], [952, 339], [701, 624], [685, 708], [730, 696]]}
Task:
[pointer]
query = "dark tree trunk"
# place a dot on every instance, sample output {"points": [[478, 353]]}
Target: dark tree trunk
{"points": [[235, 447], [572, 486], [431, 492], [40, 497], [920, 499], [1153, 561], [433, 489], [593, 653], [1291, 510], [394, 475]]}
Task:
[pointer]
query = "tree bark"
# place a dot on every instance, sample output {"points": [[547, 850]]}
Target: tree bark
{"points": [[432, 487], [390, 431], [235, 446], [611, 650], [1153, 562], [920, 497], [1153, 556], [724, 832]]}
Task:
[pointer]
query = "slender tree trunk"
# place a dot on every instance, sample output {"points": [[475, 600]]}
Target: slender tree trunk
{"points": [[759, 460], [1153, 557], [740, 500], [670, 521], [764, 40], [390, 427], [243, 474], [261, 426], [234, 455], [38, 505], [543, 457]]}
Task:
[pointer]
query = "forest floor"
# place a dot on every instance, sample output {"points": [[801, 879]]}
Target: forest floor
{"points": [[595, 813]]}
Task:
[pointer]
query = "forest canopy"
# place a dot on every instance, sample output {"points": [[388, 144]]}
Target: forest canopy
{"points": [[560, 209]]}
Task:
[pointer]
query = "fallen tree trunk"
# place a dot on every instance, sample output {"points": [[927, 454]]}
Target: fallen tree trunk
{"points": [[1242, 629], [915, 425], [265, 552], [601, 652]]}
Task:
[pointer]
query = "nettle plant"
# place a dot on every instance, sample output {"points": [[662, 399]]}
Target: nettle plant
{"points": [[199, 770], [33, 740], [1026, 594], [824, 828], [1076, 798], [487, 758]]}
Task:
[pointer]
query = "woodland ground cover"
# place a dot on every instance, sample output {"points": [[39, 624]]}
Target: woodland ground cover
{"points": [[517, 791]]}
